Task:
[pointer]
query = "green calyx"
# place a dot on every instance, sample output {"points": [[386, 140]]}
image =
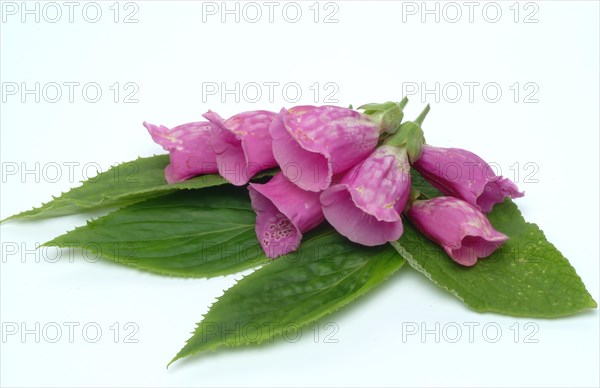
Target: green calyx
{"points": [[410, 135], [388, 114], [407, 134], [415, 195]]}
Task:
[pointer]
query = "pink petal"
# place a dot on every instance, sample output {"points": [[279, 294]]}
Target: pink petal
{"points": [[380, 185], [472, 248], [243, 144], [366, 203], [318, 142], [307, 169], [350, 221], [495, 191]]}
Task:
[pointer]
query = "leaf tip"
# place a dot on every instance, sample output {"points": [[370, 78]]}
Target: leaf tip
{"points": [[172, 361], [50, 243]]}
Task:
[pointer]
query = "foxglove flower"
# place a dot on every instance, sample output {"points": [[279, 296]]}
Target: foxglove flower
{"points": [[283, 213], [189, 149], [366, 204], [458, 227], [317, 142], [462, 174], [243, 144]]}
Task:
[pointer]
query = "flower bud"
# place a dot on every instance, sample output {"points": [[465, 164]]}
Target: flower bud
{"points": [[462, 174], [189, 149], [458, 227]]}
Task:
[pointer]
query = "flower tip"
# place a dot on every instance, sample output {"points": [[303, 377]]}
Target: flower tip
{"points": [[156, 131], [159, 134], [284, 112], [403, 102], [514, 193], [214, 118], [472, 248], [150, 127]]}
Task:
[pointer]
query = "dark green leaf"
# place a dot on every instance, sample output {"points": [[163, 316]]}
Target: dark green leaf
{"points": [[121, 185], [417, 182], [326, 273], [192, 233]]}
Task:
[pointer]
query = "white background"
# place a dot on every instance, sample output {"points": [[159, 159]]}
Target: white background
{"points": [[373, 52]]}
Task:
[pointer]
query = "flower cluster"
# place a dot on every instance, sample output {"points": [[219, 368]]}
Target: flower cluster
{"points": [[350, 168]]}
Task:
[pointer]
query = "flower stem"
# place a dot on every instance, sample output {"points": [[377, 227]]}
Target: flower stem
{"points": [[422, 116]]}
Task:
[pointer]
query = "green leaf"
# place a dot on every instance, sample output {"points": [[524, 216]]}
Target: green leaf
{"points": [[121, 185], [191, 233], [326, 273], [418, 183], [527, 277]]}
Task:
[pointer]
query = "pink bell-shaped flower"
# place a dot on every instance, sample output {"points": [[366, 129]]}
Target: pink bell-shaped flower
{"points": [[243, 144], [462, 174], [283, 213], [366, 204], [316, 143], [189, 149]]}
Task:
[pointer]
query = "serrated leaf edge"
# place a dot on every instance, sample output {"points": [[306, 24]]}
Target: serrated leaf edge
{"points": [[214, 347]]}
